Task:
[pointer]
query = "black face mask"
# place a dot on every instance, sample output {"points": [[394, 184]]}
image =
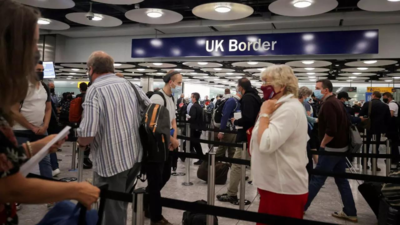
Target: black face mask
{"points": [[385, 100], [40, 75], [52, 90]]}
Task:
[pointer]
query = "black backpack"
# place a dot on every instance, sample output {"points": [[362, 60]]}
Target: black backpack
{"points": [[154, 131], [190, 218], [217, 116]]}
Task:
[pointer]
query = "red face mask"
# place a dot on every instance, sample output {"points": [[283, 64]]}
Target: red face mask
{"points": [[269, 92]]}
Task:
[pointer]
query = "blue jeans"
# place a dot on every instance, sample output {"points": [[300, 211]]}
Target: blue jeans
{"points": [[45, 164], [332, 164], [54, 161]]}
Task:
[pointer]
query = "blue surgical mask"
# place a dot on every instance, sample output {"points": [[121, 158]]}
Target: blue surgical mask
{"points": [[176, 89], [306, 100], [346, 103], [318, 94]]}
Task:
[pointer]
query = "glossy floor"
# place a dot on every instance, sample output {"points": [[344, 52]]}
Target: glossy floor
{"points": [[326, 202]]}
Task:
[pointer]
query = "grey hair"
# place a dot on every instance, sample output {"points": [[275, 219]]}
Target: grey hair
{"points": [[304, 92], [101, 63]]}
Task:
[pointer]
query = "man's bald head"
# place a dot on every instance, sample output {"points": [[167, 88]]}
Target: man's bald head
{"points": [[100, 63]]}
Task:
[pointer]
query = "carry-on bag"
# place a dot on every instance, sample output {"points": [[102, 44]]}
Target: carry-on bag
{"points": [[371, 191]]}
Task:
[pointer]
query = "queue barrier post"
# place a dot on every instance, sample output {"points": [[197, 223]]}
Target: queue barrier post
{"points": [[137, 206], [80, 163], [243, 179], [388, 160], [374, 160], [365, 151], [73, 161], [187, 161], [211, 184]]}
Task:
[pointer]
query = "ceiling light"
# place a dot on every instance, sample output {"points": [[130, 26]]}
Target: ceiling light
{"points": [[362, 68], [252, 63], [43, 21], [308, 62], [396, 77], [157, 64], [352, 77], [140, 69], [313, 80], [69, 78], [133, 72], [202, 63], [393, 0], [388, 80], [309, 68], [117, 64], [222, 8], [337, 65], [217, 69], [177, 69], [154, 13], [311, 77], [357, 73], [261, 69], [370, 61], [310, 73], [97, 17], [159, 73], [193, 73], [349, 80], [72, 73], [229, 73], [302, 3], [75, 69]]}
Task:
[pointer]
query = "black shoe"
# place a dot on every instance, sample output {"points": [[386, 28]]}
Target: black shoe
{"points": [[87, 163], [198, 162]]}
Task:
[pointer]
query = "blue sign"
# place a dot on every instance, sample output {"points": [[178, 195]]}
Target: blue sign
{"points": [[307, 43]]}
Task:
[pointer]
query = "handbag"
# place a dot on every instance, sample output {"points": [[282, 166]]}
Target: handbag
{"points": [[68, 213]]}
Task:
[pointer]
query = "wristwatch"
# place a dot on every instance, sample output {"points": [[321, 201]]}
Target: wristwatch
{"points": [[264, 115]]}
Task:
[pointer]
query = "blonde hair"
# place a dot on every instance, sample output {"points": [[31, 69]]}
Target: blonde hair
{"points": [[304, 91], [282, 76]]}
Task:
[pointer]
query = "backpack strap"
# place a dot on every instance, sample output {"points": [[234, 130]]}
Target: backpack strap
{"points": [[163, 97], [139, 98]]}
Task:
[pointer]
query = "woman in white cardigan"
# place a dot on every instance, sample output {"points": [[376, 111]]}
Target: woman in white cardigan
{"points": [[278, 146]]}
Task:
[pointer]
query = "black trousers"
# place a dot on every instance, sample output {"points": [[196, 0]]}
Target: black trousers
{"points": [[158, 175], [394, 142], [196, 145], [369, 139]]}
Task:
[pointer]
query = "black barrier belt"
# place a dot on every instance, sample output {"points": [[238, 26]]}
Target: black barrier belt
{"points": [[205, 157], [361, 155], [354, 176], [117, 196], [213, 129], [234, 213], [215, 143]]}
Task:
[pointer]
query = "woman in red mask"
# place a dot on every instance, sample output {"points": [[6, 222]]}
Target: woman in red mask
{"points": [[278, 146]]}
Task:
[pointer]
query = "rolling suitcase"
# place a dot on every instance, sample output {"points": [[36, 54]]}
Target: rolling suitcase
{"points": [[371, 191]]}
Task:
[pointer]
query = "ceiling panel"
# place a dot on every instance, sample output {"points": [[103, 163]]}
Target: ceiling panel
{"points": [[244, 27], [186, 30], [308, 24]]}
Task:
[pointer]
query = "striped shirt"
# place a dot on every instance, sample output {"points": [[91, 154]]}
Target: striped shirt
{"points": [[112, 116]]}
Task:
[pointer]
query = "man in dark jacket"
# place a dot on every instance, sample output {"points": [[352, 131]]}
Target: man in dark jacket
{"points": [[344, 98], [196, 123], [380, 118], [250, 104]]}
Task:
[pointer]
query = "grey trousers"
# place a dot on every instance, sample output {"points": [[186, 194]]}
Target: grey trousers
{"points": [[115, 211], [236, 173], [221, 151]]}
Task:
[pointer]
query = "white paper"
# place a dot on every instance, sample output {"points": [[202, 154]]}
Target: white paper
{"points": [[237, 115], [34, 161]]}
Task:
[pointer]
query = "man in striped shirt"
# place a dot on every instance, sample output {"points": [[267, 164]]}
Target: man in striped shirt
{"points": [[110, 124]]}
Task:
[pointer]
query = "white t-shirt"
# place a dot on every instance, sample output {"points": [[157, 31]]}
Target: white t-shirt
{"points": [[171, 106], [34, 106], [394, 107]]}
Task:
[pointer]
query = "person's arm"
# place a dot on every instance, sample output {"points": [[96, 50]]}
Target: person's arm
{"points": [[226, 113], [355, 120], [19, 118], [46, 121], [90, 119], [331, 124], [248, 114], [326, 140], [311, 120], [392, 108], [192, 114]]}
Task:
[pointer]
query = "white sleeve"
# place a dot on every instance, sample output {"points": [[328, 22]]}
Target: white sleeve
{"points": [[157, 99], [393, 107], [281, 126]]}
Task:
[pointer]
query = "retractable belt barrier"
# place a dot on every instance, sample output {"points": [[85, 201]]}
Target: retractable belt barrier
{"points": [[215, 143], [211, 129]]}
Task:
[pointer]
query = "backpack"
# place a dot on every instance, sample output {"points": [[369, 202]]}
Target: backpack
{"points": [[64, 111], [217, 116], [154, 131], [355, 140], [75, 110], [190, 218]]}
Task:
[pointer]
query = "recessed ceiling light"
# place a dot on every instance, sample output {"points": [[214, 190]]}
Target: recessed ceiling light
{"points": [[160, 74], [313, 80], [68, 78], [154, 13], [393, 0], [362, 68], [357, 73], [349, 80], [337, 65], [261, 69], [310, 73], [370, 61], [75, 69], [352, 77], [177, 69], [97, 17], [302, 3], [222, 8], [43, 21], [202, 63], [117, 64], [309, 68], [72, 73], [157, 64], [252, 63], [308, 62], [229, 73], [217, 69], [311, 77], [193, 73], [396, 77], [388, 80], [140, 69]]}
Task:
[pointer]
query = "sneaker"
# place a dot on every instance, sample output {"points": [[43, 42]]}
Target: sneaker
{"points": [[18, 206], [56, 172], [198, 162], [87, 163], [342, 215], [163, 221]]}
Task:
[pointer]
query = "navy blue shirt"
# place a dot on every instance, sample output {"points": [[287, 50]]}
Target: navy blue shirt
{"points": [[230, 107]]}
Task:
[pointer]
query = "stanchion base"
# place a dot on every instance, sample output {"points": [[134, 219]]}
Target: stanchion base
{"points": [[73, 170], [178, 174], [187, 184]]}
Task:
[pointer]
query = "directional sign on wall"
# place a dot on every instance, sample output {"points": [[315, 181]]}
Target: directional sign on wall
{"points": [[306, 43]]}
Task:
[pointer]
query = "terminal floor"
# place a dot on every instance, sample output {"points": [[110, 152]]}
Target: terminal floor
{"points": [[326, 202]]}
